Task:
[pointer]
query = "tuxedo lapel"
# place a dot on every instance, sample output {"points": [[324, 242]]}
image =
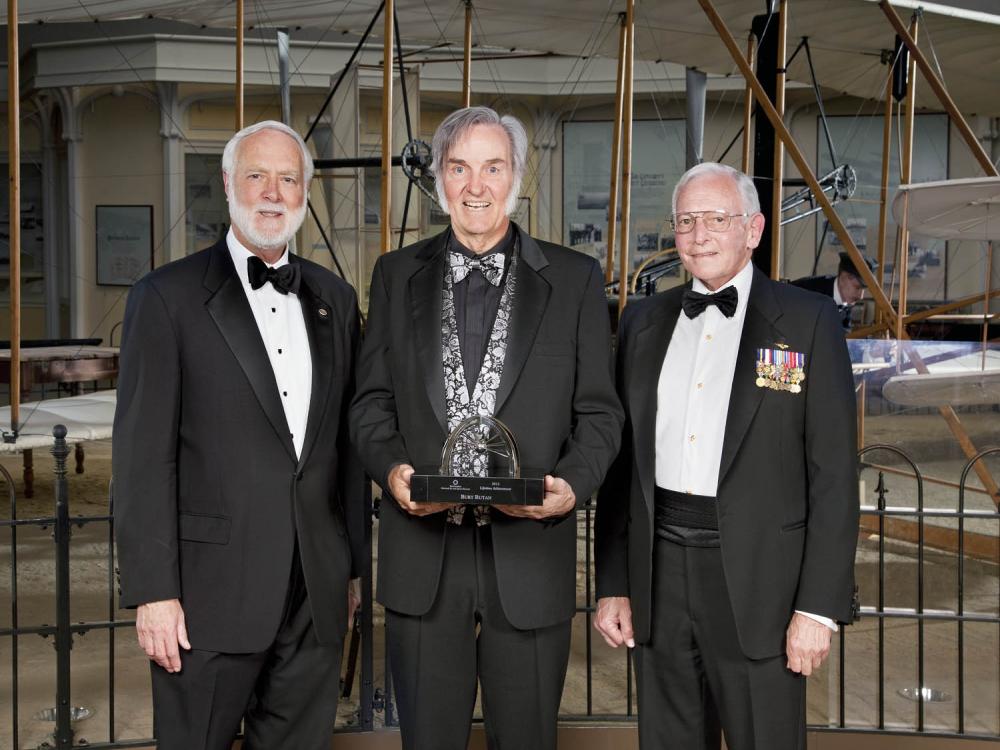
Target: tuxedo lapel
{"points": [[322, 331], [648, 350], [229, 308], [744, 400], [426, 286], [531, 295]]}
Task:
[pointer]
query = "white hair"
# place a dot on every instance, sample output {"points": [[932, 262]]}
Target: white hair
{"points": [[744, 185], [229, 153], [454, 128]]}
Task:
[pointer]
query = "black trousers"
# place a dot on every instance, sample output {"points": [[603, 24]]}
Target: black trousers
{"points": [[693, 679], [286, 695], [435, 660]]}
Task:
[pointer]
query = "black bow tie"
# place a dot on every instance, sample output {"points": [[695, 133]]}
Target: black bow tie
{"points": [[694, 303], [284, 279]]}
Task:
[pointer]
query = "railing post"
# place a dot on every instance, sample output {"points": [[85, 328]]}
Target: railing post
{"points": [[366, 714], [63, 638]]}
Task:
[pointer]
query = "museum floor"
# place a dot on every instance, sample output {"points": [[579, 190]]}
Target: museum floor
{"points": [[607, 699]]}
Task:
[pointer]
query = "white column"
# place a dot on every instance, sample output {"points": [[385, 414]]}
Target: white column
{"points": [[79, 273], [174, 232], [50, 262], [546, 185]]}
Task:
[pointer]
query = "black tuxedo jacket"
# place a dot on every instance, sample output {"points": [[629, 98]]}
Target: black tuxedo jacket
{"points": [[788, 482], [556, 395], [210, 499], [824, 285], [821, 284]]}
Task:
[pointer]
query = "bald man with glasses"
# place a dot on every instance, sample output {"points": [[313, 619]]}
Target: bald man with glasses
{"points": [[726, 528]]}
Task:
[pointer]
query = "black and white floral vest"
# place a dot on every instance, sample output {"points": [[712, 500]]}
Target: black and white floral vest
{"points": [[482, 401]]}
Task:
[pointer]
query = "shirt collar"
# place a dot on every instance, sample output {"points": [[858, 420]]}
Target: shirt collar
{"points": [[239, 254], [836, 292], [503, 246], [743, 280]]}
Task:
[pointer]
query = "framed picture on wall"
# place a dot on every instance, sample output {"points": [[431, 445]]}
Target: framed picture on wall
{"points": [[124, 244]]}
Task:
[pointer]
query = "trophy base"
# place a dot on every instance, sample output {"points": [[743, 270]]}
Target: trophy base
{"points": [[433, 488]]}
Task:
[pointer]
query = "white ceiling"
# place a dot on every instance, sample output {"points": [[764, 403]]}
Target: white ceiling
{"points": [[846, 36]]}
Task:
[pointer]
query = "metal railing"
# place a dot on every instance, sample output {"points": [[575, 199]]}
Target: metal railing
{"points": [[377, 701]]}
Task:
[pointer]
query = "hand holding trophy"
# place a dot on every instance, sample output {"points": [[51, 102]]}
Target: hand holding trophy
{"points": [[480, 465]]}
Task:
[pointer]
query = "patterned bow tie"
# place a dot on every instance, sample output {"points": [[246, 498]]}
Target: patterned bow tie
{"points": [[284, 279], [694, 303], [490, 266]]}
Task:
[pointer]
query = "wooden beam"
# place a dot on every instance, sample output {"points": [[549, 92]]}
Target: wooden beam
{"points": [[906, 174], [467, 57], [616, 151], [748, 108], [978, 546], [239, 64], [14, 209], [628, 81], [385, 235], [986, 297], [954, 424], [861, 398], [866, 331], [954, 305], [779, 151], [883, 207], [939, 90], [800, 161]]}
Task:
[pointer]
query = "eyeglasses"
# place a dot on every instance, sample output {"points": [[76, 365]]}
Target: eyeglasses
{"points": [[714, 221]]}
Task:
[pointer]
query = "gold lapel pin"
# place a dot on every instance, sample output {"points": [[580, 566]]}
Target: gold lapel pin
{"points": [[782, 346], [323, 312]]}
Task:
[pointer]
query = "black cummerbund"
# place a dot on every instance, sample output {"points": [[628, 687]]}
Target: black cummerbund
{"points": [[691, 520]]}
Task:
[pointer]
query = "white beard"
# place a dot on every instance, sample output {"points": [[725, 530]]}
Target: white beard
{"points": [[243, 216]]}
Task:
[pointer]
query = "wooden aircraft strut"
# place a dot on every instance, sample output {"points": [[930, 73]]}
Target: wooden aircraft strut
{"points": [[14, 207], [467, 57], [627, 101], [387, 40], [840, 230], [616, 142], [239, 65]]}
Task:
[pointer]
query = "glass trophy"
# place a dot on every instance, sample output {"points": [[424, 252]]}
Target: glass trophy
{"points": [[478, 444]]}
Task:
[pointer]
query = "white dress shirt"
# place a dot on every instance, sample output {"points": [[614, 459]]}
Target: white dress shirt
{"points": [[693, 393], [283, 331], [837, 298], [692, 396]]}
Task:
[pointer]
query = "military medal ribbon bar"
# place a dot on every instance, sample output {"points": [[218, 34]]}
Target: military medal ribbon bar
{"points": [[781, 370]]}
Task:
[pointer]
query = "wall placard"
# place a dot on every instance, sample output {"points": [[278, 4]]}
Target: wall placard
{"points": [[124, 244]]}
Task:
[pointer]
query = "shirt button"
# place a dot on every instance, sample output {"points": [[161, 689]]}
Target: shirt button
{"points": [[285, 393], [691, 438], [274, 309], [700, 385], [279, 352], [708, 337]]}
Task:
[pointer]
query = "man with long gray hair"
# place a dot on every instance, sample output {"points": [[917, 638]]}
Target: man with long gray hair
{"points": [[483, 320], [238, 506]]}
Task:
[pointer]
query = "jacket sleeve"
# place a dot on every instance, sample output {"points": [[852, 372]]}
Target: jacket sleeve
{"points": [[611, 518], [352, 478], [597, 413], [826, 579], [144, 450], [374, 424]]}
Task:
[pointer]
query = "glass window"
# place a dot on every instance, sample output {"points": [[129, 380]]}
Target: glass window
{"points": [[207, 215], [657, 164], [32, 232], [858, 141]]}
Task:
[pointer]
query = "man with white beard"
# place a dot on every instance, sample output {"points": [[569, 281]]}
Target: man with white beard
{"points": [[238, 505]]}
